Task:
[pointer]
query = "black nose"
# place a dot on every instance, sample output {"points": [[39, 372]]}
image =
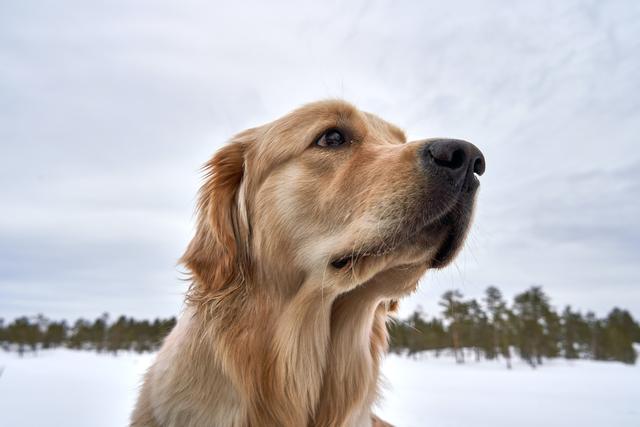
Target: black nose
{"points": [[457, 158]]}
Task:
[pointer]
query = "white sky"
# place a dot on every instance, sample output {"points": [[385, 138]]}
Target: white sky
{"points": [[107, 110]]}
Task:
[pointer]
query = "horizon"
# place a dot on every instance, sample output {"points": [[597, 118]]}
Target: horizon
{"points": [[400, 316]]}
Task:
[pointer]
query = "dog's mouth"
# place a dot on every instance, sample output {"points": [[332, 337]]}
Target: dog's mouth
{"points": [[442, 233], [354, 257]]}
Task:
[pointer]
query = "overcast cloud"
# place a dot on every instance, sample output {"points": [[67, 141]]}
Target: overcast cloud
{"points": [[107, 110]]}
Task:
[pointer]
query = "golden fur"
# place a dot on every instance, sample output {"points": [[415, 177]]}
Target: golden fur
{"points": [[273, 334]]}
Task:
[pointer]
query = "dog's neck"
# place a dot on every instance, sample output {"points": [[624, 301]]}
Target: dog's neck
{"points": [[313, 356], [358, 340]]}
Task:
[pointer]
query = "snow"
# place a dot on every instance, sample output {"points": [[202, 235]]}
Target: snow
{"points": [[69, 388], [82, 388], [439, 393]]}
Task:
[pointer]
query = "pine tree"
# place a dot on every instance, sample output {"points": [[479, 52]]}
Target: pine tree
{"points": [[98, 332], [570, 333], [552, 333], [500, 318], [55, 335], [478, 328], [596, 335], [24, 333], [398, 336], [536, 324], [619, 331], [80, 336], [3, 335], [454, 311]]}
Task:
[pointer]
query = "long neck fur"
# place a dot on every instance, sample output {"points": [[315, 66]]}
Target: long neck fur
{"points": [[309, 360]]}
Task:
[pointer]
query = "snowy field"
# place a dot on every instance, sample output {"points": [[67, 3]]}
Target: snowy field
{"points": [[81, 389]]}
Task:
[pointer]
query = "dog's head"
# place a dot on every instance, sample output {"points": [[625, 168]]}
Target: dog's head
{"points": [[330, 195]]}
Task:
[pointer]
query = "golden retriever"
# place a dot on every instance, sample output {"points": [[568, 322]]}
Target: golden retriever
{"points": [[309, 229]]}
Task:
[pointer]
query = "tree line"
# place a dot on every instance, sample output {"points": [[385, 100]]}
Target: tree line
{"points": [[125, 333], [529, 328]]}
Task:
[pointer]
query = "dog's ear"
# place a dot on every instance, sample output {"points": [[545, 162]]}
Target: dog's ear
{"points": [[215, 255]]}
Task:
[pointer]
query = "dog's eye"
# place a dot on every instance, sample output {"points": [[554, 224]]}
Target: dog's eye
{"points": [[331, 138]]}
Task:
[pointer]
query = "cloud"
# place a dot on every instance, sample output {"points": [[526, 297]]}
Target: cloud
{"points": [[107, 111]]}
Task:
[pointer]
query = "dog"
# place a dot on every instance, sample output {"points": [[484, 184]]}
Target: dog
{"points": [[309, 230]]}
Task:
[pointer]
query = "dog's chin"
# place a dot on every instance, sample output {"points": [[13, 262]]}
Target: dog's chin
{"points": [[435, 241]]}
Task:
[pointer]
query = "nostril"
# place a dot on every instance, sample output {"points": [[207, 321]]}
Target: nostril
{"points": [[457, 157], [478, 166], [454, 160]]}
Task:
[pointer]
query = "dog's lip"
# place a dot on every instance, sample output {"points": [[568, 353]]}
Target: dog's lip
{"points": [[472, 184], [340, 263], [348, 259], [456, 229]]}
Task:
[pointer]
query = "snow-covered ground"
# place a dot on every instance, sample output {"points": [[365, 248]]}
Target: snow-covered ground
{"points": [[74, 388]]}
